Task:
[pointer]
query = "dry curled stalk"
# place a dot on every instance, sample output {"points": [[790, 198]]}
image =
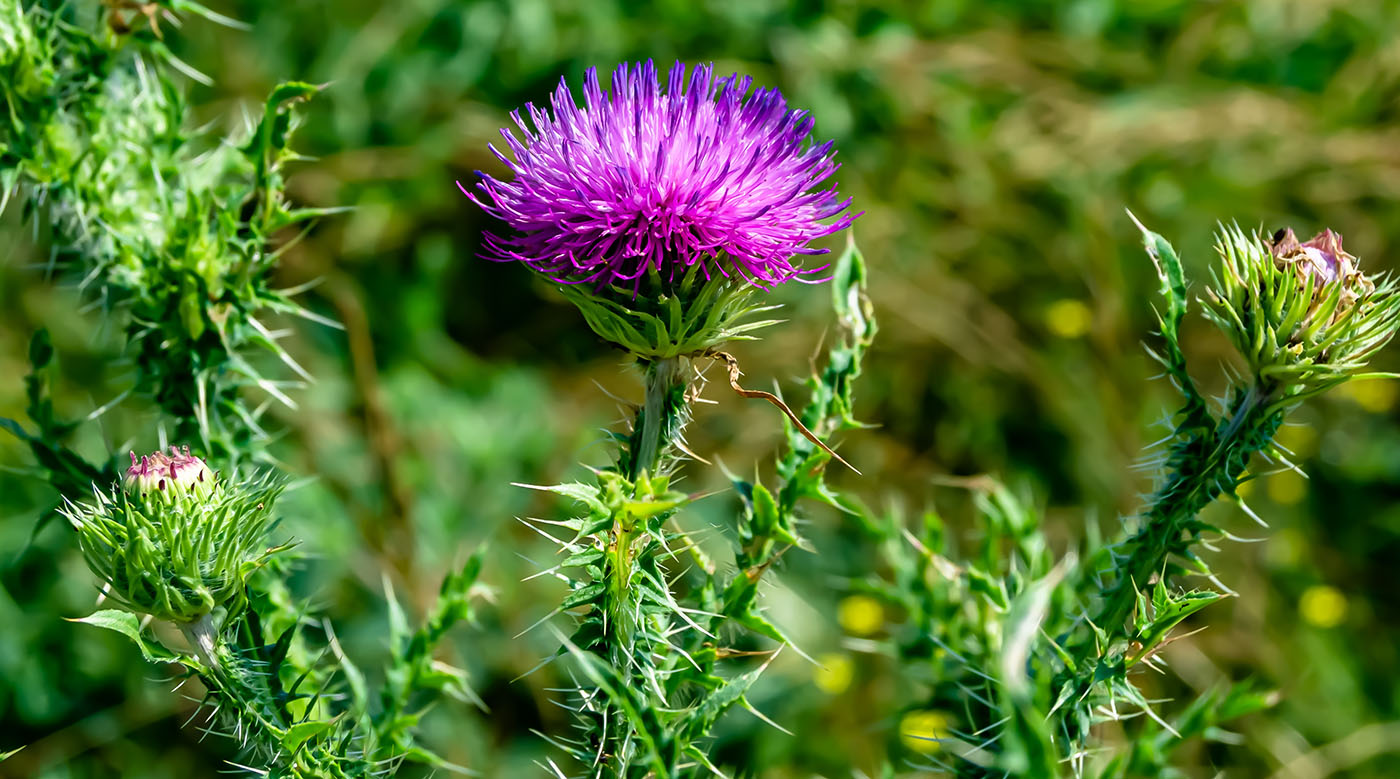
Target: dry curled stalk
{"points": [[122, 25], [734, 373]]}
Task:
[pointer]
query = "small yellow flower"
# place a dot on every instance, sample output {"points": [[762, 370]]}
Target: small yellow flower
{"points": [[860, 615], [1323, 606], [919, 729], [833, 673], [1069, 318]]}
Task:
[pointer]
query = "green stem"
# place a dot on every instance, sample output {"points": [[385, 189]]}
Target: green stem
{"points": [[658, 426], [1204, 463], [202, 636], [662, 417]]}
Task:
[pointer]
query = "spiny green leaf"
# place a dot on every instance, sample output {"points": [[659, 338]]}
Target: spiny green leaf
{"points": [[129, 625], [300, 733], [583, 595], [1031, 750]]}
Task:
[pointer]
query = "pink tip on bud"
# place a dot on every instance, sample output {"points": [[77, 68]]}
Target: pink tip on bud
{"points": [[1321, 261], [1321, 257], [182, 471]]}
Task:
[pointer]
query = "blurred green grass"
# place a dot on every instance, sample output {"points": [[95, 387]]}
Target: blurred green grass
{"points": [[993, 147]]}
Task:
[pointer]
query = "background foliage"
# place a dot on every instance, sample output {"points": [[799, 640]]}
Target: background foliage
{"points": [[993, 146]]}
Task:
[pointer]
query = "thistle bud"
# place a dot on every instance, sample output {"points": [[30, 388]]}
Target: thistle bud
{"points": [[174, 541], [176, 473], [1303, 315]]}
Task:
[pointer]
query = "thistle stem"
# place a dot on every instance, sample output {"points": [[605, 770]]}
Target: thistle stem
{"points": [[1204, 463], [662, 417], [659, 423], [202, 635], [629, 648]]}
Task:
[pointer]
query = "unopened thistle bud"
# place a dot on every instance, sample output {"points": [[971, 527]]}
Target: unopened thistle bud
{"points": [[662, 210], [1303, 315], [175, 541]]}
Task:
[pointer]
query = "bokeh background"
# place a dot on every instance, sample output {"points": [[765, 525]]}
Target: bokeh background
{"points": [[993, 147]]}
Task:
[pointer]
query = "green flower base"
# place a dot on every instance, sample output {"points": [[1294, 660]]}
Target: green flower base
{"points": [[670, 319]]}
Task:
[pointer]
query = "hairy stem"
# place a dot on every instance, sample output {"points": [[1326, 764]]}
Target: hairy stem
{"points": [[629, 640], [203, 636], [662, 417], [658, 426], [1204, 462]]}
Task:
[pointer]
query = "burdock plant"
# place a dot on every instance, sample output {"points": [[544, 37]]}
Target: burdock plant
{"points": [[664, 212]]}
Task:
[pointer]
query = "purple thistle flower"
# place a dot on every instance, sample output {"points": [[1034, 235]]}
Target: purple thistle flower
{"points": [[642, 179]]}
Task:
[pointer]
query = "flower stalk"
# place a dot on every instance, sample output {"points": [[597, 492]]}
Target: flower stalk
{"points": [[1205, 465], [662, 418], [203, 637]]}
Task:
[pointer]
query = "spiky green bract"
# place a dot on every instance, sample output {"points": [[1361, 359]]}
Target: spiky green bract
{"points": [[176, 554], [1299, 333], [169, 230], [650, 648], [664, 319], [279, 683]]}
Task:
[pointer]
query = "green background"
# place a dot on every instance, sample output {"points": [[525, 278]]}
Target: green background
{"points": [[993, 147]]}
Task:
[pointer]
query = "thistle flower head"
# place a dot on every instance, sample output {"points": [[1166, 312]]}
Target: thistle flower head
{"points": [[1321, 261], [1303, 314], [703, 172], [174, 541], [176, 473]]}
